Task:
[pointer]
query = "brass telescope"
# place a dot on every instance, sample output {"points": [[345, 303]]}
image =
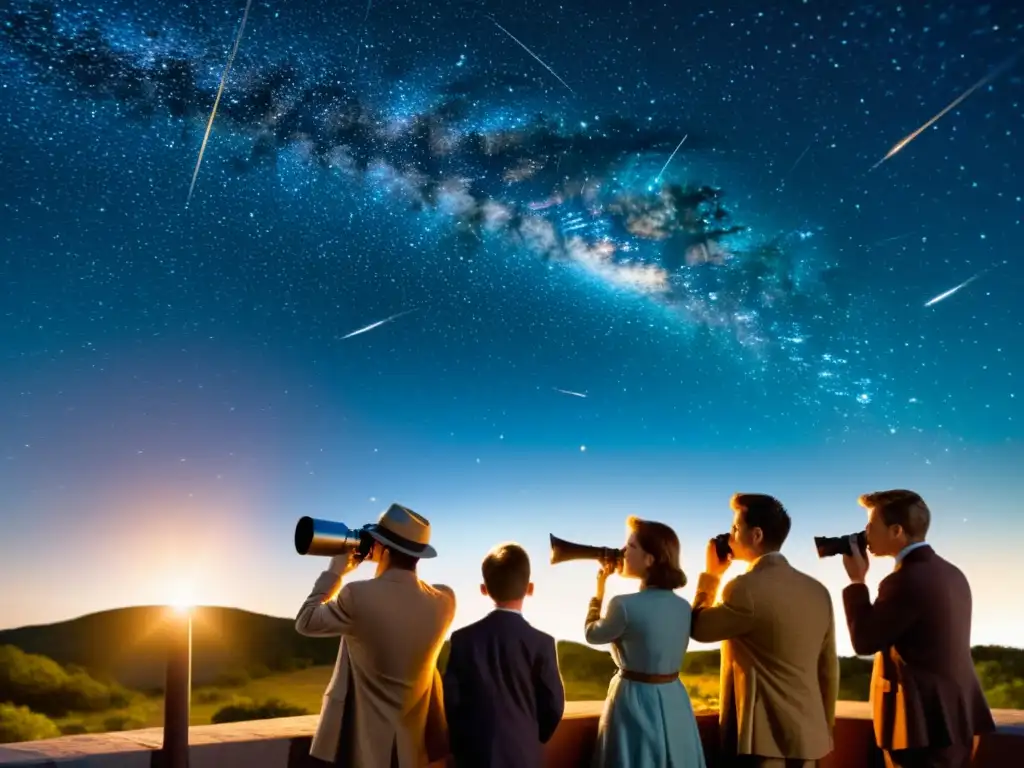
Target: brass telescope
{"points": [[563, 551]]}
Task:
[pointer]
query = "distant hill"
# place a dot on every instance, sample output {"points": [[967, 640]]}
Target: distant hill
{"points": [[128, 645]]}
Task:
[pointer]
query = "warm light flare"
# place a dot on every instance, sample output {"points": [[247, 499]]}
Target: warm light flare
{"points": [[181, 597]]}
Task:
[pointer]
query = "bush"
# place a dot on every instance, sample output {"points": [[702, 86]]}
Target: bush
{"points": [[73, 729], [22, 724], [292, 664], [207, 696], [1006, 695], [242, 710], [122, 722], [232, 678], [46, 687]]}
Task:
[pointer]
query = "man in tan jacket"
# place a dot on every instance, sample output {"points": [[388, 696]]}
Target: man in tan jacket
{"points": [[384, 706], [780, 672]]}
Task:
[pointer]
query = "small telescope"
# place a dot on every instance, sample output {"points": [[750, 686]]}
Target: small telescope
{"points": [[830, 546], [563, 551], [326, 538]]}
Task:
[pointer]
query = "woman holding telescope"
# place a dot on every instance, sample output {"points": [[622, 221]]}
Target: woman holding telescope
{"points": [[648, 721]]}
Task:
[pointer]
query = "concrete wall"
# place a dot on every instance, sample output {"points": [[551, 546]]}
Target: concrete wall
{"points": [[284, 743]]}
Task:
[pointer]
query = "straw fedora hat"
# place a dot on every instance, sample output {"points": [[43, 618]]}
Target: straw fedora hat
{"points": [[402, 529]]}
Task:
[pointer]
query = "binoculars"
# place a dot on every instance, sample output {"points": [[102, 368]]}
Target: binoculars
{"points": [[327, 538]]}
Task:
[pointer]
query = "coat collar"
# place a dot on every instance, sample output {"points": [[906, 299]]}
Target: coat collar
{"points": [[769, 560], [915, 555], [398, 575]]}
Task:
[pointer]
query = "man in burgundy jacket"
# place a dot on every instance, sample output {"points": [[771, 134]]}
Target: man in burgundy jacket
{"points": [[927, 702]]}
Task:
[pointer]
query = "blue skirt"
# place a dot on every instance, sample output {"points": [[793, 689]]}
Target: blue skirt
{"points": [[648, 725]]}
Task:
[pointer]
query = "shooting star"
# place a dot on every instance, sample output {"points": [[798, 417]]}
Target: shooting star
{"points": [[216, 101], [378, 324], [570, 392], [946, 294], [899, 145], [538, 58], [658, 177]]}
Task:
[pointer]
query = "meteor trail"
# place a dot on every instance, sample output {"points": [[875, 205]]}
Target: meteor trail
{"points": [[946, 294], [216, 101], [378, 324], [570, 392], [899, 145], [538, 58], [658, 177]]}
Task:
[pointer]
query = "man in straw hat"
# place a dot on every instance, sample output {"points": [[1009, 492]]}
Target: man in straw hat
{"points": [[384, 706]]}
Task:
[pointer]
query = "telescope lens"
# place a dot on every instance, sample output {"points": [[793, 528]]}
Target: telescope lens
{"points": [[303, 535]]}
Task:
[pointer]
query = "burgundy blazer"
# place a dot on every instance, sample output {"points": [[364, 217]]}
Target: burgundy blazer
{"points": [[924, 689]]}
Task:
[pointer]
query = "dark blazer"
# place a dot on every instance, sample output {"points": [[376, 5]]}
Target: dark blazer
{"points": [[924, 689], [503, 694]]}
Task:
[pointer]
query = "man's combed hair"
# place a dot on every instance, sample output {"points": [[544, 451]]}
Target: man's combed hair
{"points": [[661, 543], [900, 507], [506, 572], [767, 513]]}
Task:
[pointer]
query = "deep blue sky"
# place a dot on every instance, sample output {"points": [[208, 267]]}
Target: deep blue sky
{"points": [[176, 390]]}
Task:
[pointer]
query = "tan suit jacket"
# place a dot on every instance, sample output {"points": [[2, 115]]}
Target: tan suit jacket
{"points": [[386, 692], [780, 671]]}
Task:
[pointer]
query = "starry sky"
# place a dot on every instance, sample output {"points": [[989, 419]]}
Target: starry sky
{"points": [[526, 268]]}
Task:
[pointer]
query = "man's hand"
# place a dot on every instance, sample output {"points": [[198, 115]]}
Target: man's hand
{"points": [[856, 564], [714, 565], [344, 564]]}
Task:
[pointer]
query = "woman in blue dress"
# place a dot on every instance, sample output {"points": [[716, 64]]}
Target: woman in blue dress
{"points": [[648, 721]]}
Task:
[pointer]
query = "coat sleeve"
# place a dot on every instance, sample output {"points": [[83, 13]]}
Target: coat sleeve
{"points": [[828, 668], [323, 614], [732, 618], [876, 627], [599, 631], [549, 690], [452, 687]]}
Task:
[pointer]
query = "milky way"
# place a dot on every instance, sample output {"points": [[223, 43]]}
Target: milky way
{"points": [[578, 195]]}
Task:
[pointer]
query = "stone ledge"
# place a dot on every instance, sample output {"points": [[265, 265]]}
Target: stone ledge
{"points": [[284, 743]]}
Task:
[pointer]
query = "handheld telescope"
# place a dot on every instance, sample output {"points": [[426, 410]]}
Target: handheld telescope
{"points": [[722, 548], [563, 551], [830, 546], [326, 538]]}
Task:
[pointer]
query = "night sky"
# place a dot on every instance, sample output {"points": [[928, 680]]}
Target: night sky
{"points": [[646, 269]]}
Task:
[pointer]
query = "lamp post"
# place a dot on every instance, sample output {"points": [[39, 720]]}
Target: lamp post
{"points": [[178, 690]]}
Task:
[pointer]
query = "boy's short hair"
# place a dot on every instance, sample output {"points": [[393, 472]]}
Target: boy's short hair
{"points": [[506, 572]]}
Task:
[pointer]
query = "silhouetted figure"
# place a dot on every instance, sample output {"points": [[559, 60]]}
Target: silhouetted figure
{"points": [[927, 701], [384, 705], [648, 720], [780, 671], [503, 693]]}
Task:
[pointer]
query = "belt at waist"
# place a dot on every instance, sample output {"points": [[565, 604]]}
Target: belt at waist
{"points": [[649, 677]]}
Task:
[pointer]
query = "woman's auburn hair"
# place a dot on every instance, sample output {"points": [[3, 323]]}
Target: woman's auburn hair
{"points": [[660, 542]]}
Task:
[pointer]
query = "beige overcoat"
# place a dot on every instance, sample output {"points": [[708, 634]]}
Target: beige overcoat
{"points": [[385, 694], [780, 672]]}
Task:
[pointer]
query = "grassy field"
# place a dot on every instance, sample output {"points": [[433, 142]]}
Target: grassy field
{"points": [[305, 689]]}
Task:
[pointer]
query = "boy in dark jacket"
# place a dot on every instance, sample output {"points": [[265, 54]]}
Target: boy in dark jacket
{"points": [[503, 693]]}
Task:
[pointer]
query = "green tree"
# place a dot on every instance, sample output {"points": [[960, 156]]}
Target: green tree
{"points": [[22, 724], [45, 686]]}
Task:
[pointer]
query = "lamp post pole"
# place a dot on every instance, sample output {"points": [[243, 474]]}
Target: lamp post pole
{"points": [[178, 691]]}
